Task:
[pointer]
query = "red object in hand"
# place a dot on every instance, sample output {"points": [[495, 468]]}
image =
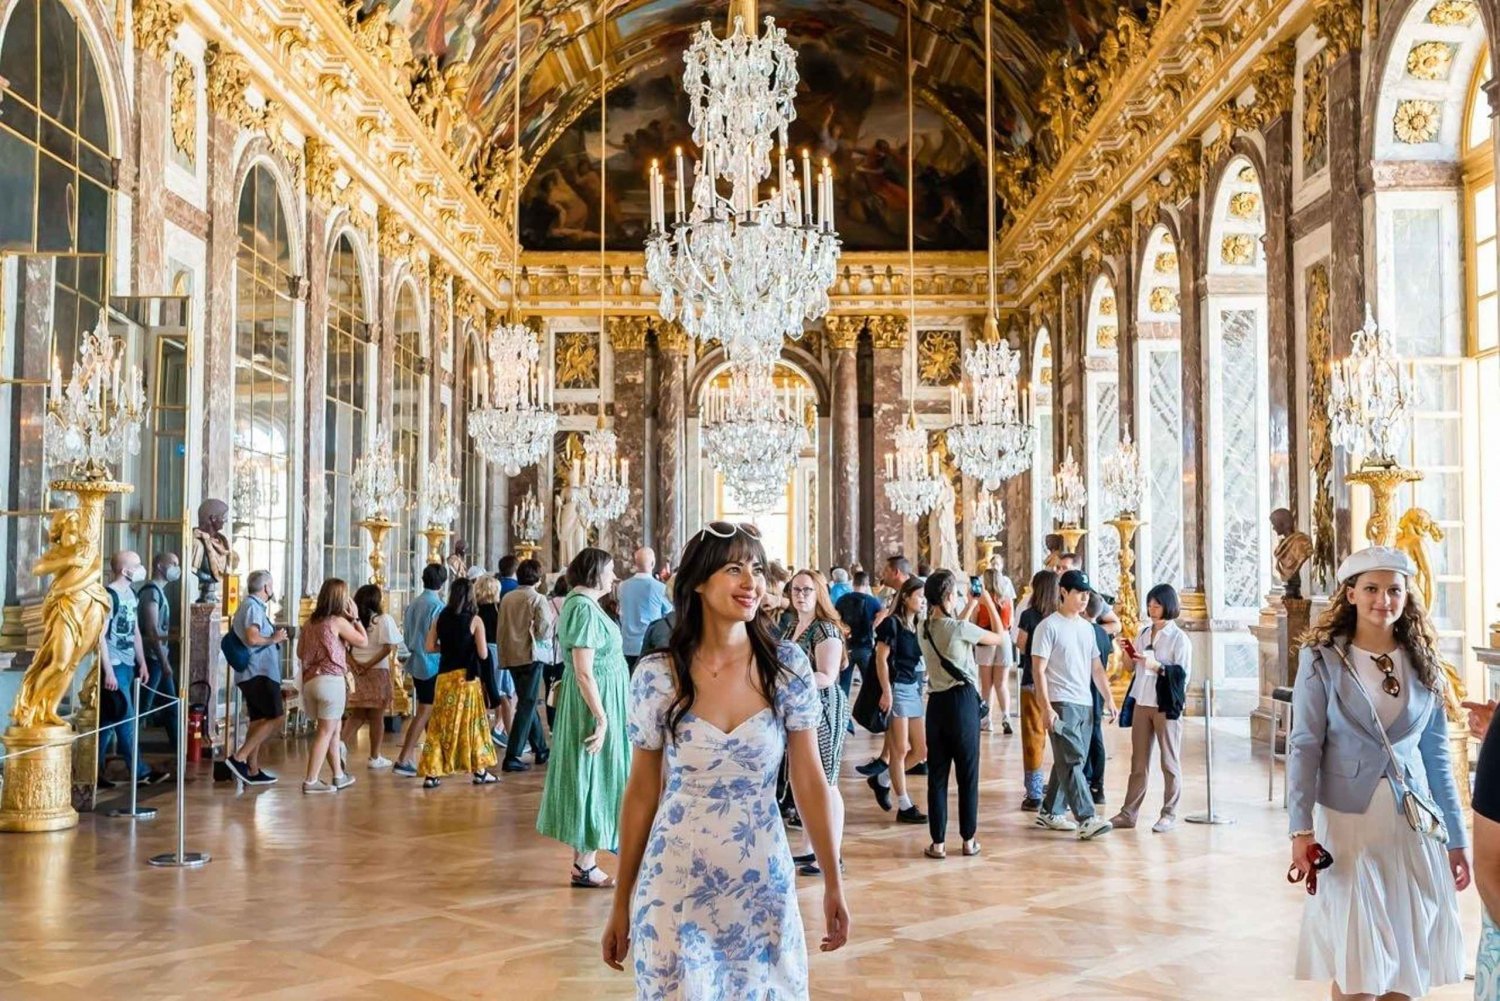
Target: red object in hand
{"points": [[1320, 859], [1129, 649]]}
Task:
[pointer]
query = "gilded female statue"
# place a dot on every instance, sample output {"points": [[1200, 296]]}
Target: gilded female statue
{"points": [[1412, 532], [73, 616]]}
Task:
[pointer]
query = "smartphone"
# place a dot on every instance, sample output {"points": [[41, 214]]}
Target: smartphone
{"points": [[976, 587], [1129, 649]]}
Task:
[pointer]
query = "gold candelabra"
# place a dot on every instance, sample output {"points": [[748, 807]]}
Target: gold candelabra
{"points": [[435, 535], [1383, 480], [1071, 536], [1127, 608], [378, 528]]}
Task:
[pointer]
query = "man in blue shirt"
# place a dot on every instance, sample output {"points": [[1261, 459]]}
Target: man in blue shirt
{"points": [[506, 574], [838, 585], [260, 682], [420, 614], [643, 600]]}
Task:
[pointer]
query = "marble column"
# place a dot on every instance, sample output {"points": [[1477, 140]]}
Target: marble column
{"points": [[147, 234], [843, 338], [671, 442], [314, 388], [1194, 443], [1281, 318], [627, 339], [497, 514], [888, 337], [219, 309], [1127, 306]]}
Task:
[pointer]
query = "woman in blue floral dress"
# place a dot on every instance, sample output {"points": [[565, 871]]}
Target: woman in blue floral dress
{"points": [[707, 892]]}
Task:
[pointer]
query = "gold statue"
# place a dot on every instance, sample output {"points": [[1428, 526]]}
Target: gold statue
{"points": [[1293, 549], [73, 617], [1416, 526]]}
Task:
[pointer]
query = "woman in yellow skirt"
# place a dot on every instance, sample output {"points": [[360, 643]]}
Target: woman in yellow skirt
{"points": [[458, 735]]}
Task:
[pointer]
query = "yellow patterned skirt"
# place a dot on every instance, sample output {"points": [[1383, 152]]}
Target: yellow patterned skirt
{"points": [[458, 733]]}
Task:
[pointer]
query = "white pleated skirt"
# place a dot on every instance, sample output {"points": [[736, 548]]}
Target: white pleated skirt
{"points": [[1385, 917]]}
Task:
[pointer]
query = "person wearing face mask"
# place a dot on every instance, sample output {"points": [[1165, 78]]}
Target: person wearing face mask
{"points": [[126, 654], [155, 617], [260, 683], [1367, 766]]}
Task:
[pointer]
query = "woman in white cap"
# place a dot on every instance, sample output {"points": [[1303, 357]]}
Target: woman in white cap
{"points": [[1377, 832]]}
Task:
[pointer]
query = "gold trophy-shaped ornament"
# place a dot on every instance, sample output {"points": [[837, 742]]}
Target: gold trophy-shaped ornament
{"points": [[92, 423], [378, 499], [1123, 482]]}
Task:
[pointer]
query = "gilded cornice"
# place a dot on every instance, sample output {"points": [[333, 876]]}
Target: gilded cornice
{"points": [[155, 23], [627, 333], [1340, 22]]}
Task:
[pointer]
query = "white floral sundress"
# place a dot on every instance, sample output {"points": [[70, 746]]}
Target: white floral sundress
{"points": [[715, 908]]}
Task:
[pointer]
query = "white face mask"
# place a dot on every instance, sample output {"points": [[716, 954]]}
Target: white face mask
{"points": [[174, 574], [136, 573]]}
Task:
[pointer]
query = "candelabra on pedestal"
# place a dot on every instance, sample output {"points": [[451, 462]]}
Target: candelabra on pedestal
{"points": [[1069, 495], [378, 498], [442, 507], [526, 526], [1123, 480]]}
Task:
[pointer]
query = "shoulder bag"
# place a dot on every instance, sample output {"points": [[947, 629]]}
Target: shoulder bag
{"points": [[1421, 813]]}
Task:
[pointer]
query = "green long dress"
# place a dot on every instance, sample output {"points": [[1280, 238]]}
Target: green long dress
{"points": [[581, 797]]}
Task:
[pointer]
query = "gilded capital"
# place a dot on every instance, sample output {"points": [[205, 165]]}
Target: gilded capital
{"points": [[438, 273], [466, 305], [843, 331], [888, 332], [228, 75], [156, 21], [671, 337], [393, 238], [1274, 77], [626, 333], [1341, 22]]}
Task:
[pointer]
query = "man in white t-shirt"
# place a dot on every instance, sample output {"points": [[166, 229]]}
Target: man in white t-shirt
{"points": [[1065, 656]]}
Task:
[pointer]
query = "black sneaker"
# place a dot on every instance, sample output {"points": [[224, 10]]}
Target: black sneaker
{"points": [[872, 767], [238, 769], [1005, 727], [515, 765], [807, 859], [542, 756], [261, 779], [1098, 797], [1031, 805], [104, 783], [882, 793], [920, 768], [911, 815]]}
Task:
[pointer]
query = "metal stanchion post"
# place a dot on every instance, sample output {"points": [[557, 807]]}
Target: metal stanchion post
{"points": [[181, 858], [133, 811], [1209, 816]]}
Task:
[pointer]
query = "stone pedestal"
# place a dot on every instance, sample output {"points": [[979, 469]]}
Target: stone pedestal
{"points": [[1269, 635], [205, 659], [37, 795]]}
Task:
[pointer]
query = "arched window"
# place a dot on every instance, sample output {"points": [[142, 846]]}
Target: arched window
{"points": [[1484, 324], [346, 405], [475, 471], [1041, 468], [408, 393], [1102, 414], [261, 499], [1158, 395]]}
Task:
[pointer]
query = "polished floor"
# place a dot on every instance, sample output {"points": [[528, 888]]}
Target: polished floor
{"points": [[389, 891]]}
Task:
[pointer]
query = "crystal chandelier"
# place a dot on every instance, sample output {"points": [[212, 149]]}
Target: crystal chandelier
{"points": [[602, 477], [992, 434], [442, 493], [1369, 396], [988, 517], [376, 484], [526, 520], [733, 266], [512, 421], [1120, 473], [1069, 495], [913, 483], [753, 434], [245, 494], [95, 420]]}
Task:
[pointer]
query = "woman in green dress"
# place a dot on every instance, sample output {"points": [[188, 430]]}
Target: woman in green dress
{"points": [[590, 755]]}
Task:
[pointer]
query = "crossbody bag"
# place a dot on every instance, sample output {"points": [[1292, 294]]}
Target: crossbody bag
{"points": [[1421, 813]]}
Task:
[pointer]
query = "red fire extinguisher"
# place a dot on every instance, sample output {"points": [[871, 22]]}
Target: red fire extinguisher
{"points": [[196, 716]]}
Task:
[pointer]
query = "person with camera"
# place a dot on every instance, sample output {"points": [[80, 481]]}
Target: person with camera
{"points": [[1377, 829]]}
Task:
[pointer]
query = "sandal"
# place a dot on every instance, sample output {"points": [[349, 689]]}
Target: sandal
{"points": [[484, 779], [935, 851], [972, 848], [584, 879], [431, 782]]}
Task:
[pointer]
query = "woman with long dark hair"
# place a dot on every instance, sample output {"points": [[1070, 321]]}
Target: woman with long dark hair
{"points": [[458, 733], [1043, 602], [898, 663], [370, 664], [590, 757], [1163, 662], [1377, 829], [323, 649], [713, 912]]}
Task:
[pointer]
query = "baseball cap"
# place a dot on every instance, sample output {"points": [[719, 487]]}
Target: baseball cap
{"points": [[1075, 580]]}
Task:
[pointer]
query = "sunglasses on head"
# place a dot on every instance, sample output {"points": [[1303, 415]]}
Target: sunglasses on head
{"points": [[726, 529]]}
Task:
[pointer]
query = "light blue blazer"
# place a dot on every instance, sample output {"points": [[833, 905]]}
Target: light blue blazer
{"points": [[1335, 755]]}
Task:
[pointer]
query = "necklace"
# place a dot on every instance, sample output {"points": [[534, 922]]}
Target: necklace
{"points": [[714, 672]]}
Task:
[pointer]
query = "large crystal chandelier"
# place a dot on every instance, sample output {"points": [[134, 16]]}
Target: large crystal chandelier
{"points": [[992, 435], [1369, 396], [375, 486], [753, 434], [1120, 472], [512, 422], [913, 483], [733, 266], [602, 477], [988, 517], [1069, 494], [95, 420]]}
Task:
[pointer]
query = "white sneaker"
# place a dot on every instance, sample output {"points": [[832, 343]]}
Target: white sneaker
{"points": [[984, 725], [1164, 825], [380, 762], [343, 781], [317, 787], [1093, 827], [1055, 822]]}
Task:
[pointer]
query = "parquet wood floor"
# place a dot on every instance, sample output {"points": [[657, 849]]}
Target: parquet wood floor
{"points": [[387, 891]]}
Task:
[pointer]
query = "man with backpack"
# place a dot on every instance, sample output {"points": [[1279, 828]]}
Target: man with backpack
{"points": [[126, 657], [252, 649], [422, 666]]}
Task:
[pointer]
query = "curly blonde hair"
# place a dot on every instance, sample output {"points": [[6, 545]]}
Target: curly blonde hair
{"points": [[1413, 631]]}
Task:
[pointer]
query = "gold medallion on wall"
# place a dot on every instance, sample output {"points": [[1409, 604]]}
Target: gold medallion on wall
{"points": [[576, 359], [939, 357]]}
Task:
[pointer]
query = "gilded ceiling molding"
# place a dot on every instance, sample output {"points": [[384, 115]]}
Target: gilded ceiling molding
{"points": [[156, 23], [1341, 23], [843, 331], [888, 332], [627, 333]]}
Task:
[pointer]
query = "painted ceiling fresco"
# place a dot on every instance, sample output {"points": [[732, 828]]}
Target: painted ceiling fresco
{"points": [[852, 105]]}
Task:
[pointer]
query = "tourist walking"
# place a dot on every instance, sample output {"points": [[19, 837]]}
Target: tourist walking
{"points": [[590, 756], [707, 896], [643, 600], [1377, 828], [1487, 848], [526, 626], [260, 682], [1162, 657], [458, 736], [494, 681], [1040, 603], [819, 634], [995, 663], [323, 650], [948, 639], [421, 612], [370, 666], [898, 659]]}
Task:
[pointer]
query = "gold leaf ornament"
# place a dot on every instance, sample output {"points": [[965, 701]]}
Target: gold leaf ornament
{"points": [[1417, 121]]}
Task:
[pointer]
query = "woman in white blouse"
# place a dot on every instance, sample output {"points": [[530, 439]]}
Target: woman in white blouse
{"points": [[1159, 651]]}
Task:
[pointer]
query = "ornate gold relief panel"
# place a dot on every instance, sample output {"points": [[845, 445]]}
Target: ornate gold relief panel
{"points": [[1319, 439], [1453, 13], [939, 357], [1315, 114], [576, 359], [1237, 248], [1431, 60], [1416, 121], [184, 112], [1165, 263], [1163, 300]]}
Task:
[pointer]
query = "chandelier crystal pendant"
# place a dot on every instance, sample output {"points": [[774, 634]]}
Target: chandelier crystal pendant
{"points": [[512, 421], [1370, 396], [1069, 494], [375, 486], [1121, 476], [988, 517], [602, 476], [752, 434], [733, 266], [913, 483], [94, 420]]}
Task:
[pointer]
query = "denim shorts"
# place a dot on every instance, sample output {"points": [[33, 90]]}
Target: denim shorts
{"points": [[906, 699]]}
